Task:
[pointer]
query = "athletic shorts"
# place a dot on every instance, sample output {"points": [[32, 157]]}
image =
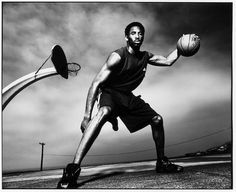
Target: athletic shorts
{"points": [[132, 110]]}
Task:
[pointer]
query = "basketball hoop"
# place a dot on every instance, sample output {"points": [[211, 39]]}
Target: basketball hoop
{"points": [[73, 69], [60, 67], [60, 63]]}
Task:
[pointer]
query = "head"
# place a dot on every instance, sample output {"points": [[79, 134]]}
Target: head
{"points": [[134, 34]]}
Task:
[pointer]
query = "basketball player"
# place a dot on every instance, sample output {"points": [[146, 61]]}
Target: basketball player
{"points": [[122, 72]]}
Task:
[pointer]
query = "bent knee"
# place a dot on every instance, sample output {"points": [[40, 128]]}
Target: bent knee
{"points": [[157, 120]]}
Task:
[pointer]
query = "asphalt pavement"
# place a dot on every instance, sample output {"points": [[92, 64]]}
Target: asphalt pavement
{"points": [[199, 173]]}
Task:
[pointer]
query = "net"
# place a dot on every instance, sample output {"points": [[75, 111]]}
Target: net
{"points": [[73, 69]]}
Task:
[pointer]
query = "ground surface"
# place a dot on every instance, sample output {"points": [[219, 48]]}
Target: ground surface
{"points": [[213, 172]]}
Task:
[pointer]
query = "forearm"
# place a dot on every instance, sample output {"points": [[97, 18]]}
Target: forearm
{"points": [[172, 57], [91, 98]]}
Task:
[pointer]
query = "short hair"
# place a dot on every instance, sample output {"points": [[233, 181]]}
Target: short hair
{"points": [[138, 24]]}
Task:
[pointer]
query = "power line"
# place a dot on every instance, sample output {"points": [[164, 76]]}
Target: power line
{"points": [[188, 141], [150, 149]]}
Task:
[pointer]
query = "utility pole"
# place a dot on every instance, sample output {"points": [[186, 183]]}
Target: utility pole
{"points": [[41, 165]]}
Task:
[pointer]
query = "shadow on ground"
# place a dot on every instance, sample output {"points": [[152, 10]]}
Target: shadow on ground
{"points": [[99, 177]]}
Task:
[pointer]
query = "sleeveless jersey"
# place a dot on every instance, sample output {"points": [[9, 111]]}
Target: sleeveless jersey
{"points": [[131, 71]]}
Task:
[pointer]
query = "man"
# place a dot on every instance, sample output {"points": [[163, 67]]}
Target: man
{"points": [[123, 71]]}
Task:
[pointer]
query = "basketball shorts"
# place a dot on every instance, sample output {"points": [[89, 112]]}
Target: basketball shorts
{"points": [[132, 110]]}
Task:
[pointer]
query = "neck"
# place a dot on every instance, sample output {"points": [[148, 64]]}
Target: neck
{"points": [[132, 50]]}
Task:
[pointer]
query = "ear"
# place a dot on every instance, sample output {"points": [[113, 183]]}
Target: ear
{"points": [[126, 38]]}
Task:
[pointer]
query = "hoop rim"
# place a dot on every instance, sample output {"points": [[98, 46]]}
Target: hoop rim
{"points": [[74, 63]]}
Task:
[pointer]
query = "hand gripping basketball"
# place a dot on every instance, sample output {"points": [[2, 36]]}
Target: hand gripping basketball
{"points": [[188, 45]]}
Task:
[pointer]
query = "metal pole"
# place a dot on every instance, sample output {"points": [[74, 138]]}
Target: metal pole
{"points": [[10, 91], [41, 165]]}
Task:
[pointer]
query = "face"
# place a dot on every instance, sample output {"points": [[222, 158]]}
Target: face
{"points": [[135, 37]]}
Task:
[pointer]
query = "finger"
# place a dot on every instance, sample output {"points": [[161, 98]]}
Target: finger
{"points": [[82, 129]]}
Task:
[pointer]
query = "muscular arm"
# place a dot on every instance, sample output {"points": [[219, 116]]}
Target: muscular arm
{"points": [[109, 66], [159, 60]]}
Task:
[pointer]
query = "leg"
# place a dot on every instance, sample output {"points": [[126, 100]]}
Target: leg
{"points": [[158, 136], [163, 164], [91, 133], [72, 171]]}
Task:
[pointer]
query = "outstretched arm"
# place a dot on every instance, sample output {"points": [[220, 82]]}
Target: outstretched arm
{"points": [[109, 66], [159, 60]]}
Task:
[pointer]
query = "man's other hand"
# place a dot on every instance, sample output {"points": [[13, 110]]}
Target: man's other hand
{"points": [[84, 124]]}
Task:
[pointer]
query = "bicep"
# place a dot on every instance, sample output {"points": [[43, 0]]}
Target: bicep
{"points": [[157, 60], [103, 75]]}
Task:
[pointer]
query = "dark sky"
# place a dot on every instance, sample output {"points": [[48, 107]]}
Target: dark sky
{"points": [[193, 96]]}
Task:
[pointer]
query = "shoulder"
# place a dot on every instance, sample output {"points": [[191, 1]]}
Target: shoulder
{"points": [[149, 54], [121, 51], [146, 55], [113, 60]]}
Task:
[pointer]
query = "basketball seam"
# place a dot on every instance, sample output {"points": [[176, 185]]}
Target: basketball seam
{"points": [[196, 47], [183, 52], [189, 42]]}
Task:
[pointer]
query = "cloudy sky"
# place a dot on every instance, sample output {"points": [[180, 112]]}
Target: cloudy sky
{"points": [[193, 96]]}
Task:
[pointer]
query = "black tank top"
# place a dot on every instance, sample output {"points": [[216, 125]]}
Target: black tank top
{"points": [[131, 71]]}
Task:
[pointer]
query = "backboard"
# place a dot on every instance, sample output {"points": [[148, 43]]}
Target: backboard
{"points": [[59, 60]]}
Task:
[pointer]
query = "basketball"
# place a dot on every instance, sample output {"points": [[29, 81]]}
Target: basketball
{"points": [[188, 45]]}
